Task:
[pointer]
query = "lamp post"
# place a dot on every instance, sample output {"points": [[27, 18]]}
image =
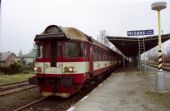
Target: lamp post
{"points": [[160, 77]]}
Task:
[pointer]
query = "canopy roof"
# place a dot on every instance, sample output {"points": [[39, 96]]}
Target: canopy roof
{"points": [[130, 46]]}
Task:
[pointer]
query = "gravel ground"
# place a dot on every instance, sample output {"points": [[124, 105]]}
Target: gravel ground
{"points": [[15, 100]]}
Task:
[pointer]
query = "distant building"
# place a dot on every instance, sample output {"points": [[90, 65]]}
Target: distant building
{"points": [[7, 58], [27, 58]]}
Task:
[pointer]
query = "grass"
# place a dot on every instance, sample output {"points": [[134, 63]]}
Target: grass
{"points": [[161, 98], [6, 79]]}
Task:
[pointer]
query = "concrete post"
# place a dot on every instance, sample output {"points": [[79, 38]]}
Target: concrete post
{"points": [[160, 80]]}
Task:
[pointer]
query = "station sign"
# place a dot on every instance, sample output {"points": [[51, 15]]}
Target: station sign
{"points": [[140, 32]]}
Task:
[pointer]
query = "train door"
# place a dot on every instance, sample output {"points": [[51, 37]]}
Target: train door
{"points": [[91, 59], [59, 59], [53, 53], [55, 65]]}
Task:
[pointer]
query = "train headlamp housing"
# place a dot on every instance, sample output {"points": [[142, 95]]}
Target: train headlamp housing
{"points": [[37, 69], [69, 69]]}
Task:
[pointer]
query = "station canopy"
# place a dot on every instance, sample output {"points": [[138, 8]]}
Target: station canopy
{"points": [[129, 46]]}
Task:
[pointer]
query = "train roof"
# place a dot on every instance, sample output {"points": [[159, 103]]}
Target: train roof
{"points": [[69, 33], [56, 32]]}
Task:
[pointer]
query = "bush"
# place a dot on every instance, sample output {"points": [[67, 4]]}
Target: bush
{"points": [[13, 68], [27, 68], [17, 68], [4, 69], [1, 73]]}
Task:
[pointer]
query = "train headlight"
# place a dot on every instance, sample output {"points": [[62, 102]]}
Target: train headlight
{"points": [[69, 69], [37, 69]]}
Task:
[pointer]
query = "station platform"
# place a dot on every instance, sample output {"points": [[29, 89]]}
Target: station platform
{"points": [[122, 91]]}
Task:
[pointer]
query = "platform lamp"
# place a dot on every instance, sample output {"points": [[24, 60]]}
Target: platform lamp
{"points": [[160, 77]]}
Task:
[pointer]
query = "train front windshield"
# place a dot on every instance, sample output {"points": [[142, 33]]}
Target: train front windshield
{"points": [[71, 49]]}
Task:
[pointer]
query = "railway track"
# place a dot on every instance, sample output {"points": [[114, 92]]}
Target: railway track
{"points": [[165, 66], [27, 105], [14, 87], [51, 103], [54, 103]]}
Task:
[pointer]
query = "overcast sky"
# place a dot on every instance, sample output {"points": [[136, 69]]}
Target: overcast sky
{"points": [[21, 20]]}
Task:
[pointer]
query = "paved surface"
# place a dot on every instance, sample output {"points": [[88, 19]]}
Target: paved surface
{"points": [[121, 92]]}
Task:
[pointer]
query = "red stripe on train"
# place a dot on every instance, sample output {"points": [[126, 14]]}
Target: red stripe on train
{"points": [[102, 70], [62, 60], [78, 78]]}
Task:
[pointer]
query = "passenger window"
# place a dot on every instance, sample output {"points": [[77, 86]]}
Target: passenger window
{"points": [[73, 49], [87, 50]]}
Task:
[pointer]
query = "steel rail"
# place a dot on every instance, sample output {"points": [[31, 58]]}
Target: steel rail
{"points": [[29, 104]]}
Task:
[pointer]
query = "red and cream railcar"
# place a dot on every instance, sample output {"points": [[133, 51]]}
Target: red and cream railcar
{"points": [[66, 58]]}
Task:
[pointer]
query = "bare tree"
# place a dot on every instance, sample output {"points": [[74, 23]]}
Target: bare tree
{"points": [[168, 48], [102, 38]]}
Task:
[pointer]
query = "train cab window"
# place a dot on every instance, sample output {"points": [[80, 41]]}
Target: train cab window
{"points": [[39, 51], [42, 50], [73, 49], [46, 50], [59, 49]]}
